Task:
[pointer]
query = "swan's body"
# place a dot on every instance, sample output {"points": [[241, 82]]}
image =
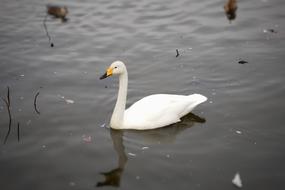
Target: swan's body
{"points": [[150, 112]]}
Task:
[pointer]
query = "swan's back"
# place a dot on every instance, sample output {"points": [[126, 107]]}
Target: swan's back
{"points": [[159, 110]]}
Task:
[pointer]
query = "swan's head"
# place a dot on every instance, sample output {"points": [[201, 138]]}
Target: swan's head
{"points": [[116, 68]]}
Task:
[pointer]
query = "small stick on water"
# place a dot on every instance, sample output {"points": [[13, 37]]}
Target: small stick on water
{"points": [[35, 103], [177, 53], [7, 102], [45, 26], [10, 121], [18, 131], [8, 95]]}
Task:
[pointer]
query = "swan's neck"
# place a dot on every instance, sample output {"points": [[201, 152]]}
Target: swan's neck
{"points": [[117, 119]]}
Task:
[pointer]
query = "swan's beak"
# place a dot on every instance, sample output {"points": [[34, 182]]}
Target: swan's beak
{"points": [[108, 73]]}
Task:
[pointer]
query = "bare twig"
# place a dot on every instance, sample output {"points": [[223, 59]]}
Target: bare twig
{"points": [[35, 103], [177, 53], [45, 26], [8, 95], [7, 102], [18, 131]]}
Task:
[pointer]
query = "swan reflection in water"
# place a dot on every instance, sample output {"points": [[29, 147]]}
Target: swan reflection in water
{"points": [[161, 135]]}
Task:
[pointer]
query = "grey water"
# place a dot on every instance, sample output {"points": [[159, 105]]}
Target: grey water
{"points": [[68, 144]]}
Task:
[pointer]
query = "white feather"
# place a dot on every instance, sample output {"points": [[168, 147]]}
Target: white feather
{"points": [[237, 180]]}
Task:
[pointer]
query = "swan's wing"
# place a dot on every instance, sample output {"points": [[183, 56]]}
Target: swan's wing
{"points": [[150, 112], [159, 110]]}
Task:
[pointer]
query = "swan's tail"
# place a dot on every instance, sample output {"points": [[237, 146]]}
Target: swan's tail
{"points": [[194, 100], [197, 99]]}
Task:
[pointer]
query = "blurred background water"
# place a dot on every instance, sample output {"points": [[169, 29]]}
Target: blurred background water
{"points": [[69, 145]]}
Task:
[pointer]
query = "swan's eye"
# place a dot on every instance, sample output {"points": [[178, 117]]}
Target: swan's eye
{"points": [[115, 67]]}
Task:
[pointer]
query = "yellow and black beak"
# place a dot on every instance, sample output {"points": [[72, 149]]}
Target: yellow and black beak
{"points": [[108, 73]]}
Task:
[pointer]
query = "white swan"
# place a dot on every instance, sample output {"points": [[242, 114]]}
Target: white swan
{"points": [[150, 112]]}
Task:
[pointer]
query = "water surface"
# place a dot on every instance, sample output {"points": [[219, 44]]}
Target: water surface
{"points": [[69, 145]]}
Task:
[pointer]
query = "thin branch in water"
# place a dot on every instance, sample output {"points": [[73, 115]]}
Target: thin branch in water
{"points": [[7, 102], [8, 95], [18, 131], [45, 26], [35, 103], [177, 53]]}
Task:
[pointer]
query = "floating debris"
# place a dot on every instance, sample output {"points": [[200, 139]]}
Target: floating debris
{"points": [[269, 31], [103, 125], [45, 26], [47, 33], [18, 131], [242, 62], [230, 8], [87, 138], [239, 132], [177, 53], [35, 103], [145, 147], [69, 101], [131, 154], [8, 104], [237, 181]]}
